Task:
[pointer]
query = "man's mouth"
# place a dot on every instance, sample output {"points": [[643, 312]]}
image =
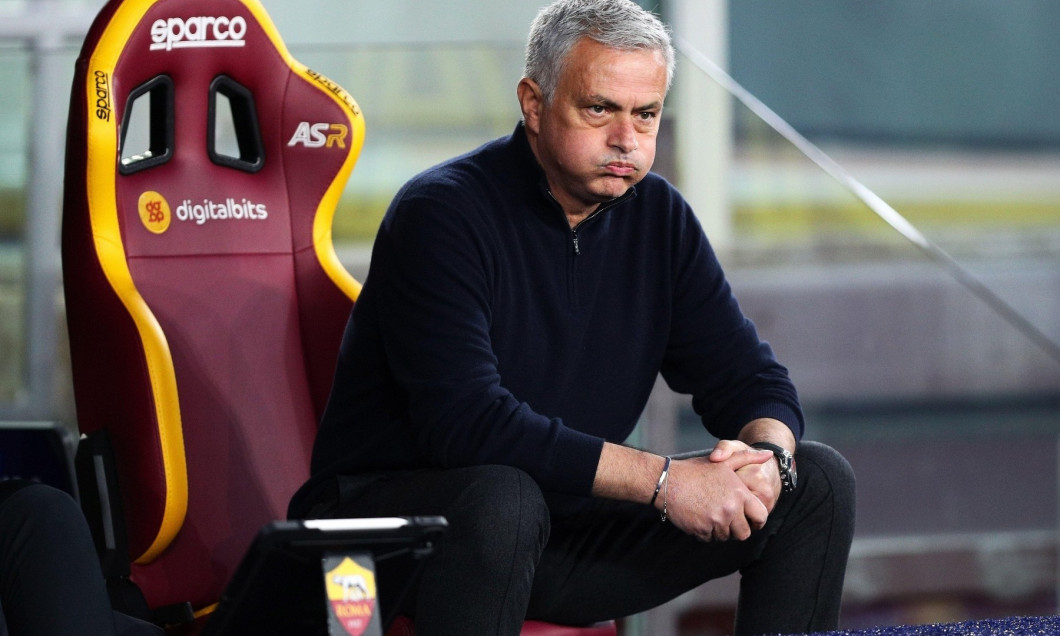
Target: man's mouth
{"points": [[620, 168]]}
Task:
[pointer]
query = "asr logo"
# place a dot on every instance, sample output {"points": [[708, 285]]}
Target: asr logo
{"points": [[319, 135], [154, 212]]}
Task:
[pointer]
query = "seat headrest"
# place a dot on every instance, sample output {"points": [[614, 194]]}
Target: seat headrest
{"points": [[216, 127]]}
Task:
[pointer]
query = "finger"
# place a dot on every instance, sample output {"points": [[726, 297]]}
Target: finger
{"points": [[740, 529], [756, 513], [755, 456], [760, 476], [763, 481]]}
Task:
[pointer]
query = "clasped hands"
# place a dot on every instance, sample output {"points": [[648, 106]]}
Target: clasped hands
{"points": [[724, 495]]}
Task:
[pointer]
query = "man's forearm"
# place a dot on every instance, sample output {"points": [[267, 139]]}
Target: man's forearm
{"points": [[706, 499], [627, 473]]}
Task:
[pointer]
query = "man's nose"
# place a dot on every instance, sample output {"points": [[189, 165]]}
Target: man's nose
{"points": [[623, 135]]}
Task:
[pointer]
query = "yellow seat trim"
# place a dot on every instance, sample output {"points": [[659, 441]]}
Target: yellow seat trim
{"points": [[101, 167], [323, 242]]}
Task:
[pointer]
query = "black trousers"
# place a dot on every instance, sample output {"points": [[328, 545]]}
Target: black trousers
{"points": [[506, 558], [50, 579]]}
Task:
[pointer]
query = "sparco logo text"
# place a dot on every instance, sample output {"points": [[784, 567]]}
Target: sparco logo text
{"points": [[102, 96], [229, 209], [199, 31]]}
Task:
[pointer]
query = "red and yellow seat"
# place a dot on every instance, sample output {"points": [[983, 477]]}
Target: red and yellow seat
{"points": [[205, 302]]}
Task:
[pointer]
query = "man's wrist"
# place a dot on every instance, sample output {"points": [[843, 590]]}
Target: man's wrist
{"points": [[659, 485], [630, 474], [785, 463], [767, 429]]}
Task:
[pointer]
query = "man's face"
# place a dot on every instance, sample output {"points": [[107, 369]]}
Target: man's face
{"points": [[596, 138]]}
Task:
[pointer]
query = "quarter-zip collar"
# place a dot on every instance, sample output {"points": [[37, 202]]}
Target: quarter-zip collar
{"points": [[600, 209]]}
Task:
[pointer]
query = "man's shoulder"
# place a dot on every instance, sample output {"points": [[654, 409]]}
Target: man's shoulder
{"points": [[468, 170], [466, 191]]}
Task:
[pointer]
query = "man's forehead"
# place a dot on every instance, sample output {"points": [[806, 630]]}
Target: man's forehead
{"points": [[588, 52], [593, 51], [603, 74]]}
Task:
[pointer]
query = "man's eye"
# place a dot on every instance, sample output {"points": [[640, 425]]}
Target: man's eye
{"points": [[597, 109], [647, 115]]}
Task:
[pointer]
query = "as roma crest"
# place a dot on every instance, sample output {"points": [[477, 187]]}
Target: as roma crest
{"points": [[350, 585]]}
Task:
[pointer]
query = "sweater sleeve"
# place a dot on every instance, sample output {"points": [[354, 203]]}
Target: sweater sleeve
{"points": [[435, 319], [714, 352]]}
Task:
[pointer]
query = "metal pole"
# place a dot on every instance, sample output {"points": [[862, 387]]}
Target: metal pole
{"points": [[45, 27], [703, 122], [43, 205]]}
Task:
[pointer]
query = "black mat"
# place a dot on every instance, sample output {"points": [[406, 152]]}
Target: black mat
{"points": [[1014, 626]]}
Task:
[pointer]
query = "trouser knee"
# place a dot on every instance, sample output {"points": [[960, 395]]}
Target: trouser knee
{"points": [[500, 514], [822, 468], [498, 528], [38, 513], [828, 461]]}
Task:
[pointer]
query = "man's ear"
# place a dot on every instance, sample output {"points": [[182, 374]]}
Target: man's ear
{"points": [[531, 102]]}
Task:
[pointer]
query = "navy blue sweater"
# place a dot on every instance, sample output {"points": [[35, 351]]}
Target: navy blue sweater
{"points": [[490, 332]]}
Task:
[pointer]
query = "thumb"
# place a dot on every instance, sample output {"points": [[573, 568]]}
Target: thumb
{"points": [[723, 451]]}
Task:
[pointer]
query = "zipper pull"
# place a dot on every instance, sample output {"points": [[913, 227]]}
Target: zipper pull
{"points": [[574, 236]]}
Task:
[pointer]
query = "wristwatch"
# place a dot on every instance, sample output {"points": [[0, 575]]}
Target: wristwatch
{"points": [[786, 461]]}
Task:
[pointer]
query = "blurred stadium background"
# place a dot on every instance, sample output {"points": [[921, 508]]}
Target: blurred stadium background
{"points": [[947, 409]]}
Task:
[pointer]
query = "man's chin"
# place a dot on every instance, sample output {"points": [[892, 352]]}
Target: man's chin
{"points": [[613, 187]]}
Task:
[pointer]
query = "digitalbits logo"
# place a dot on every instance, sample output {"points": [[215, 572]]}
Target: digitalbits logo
{"points": [[230, 209], [154, 212]]}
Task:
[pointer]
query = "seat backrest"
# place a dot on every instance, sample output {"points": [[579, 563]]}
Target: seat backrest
{"points": [[204, 299]]}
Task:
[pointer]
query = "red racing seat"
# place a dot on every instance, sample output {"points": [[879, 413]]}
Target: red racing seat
{"points": [[205, 303]]}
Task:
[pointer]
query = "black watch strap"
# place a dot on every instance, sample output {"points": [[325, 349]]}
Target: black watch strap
{"points": [[786, 461]]}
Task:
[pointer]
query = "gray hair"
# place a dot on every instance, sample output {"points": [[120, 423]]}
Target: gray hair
{"points": [[619, 24]]}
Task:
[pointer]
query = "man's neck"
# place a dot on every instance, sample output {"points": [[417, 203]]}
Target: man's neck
{"points": [[576, 218]]}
